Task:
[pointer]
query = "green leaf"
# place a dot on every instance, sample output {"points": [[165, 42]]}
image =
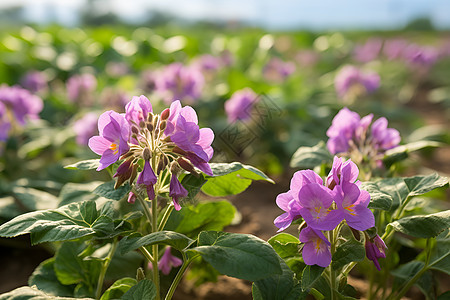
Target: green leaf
{"points": [[401, 152], [107, 190], [65, 223], [286, 245], [32, 293], [145, 289], [191, 220], [44, 278], [423, 226], [238, 255], [401, 189], [279, 287], [77, 192], [89, 164], [311, 157], [193, 184], [378, 198], [440, 259], [34, 199], [406, 272], [70, 268], [174, 239], [231, 179], [310, 275], [348, 252], [118, 288]]}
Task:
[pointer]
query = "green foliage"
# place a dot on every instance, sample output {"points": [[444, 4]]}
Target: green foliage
{"points": [[191, 220], [118, 288], [231, 179], [174, 239], [69, 222], [45, 279], [89, 164], [106, 190], [285, 245], [32, 293], [145, 289], [425, 226], [237, 255], [310, 275], [348, 252], [311, 157]]}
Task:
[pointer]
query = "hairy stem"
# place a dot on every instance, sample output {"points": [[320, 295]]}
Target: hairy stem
{"points": [[179, 276], [155, 247], [105, 266], [165, 217]]}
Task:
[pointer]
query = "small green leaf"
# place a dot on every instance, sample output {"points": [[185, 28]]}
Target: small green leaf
{"points": [[311, 157], [174, 239], [401, 152], [285, 245], [107, 190], [193, 184], [191, 220], [145, 289], [350, 251], [423, 226], [32, 293], [231, 179], [238, 255], [279, 287], [34, 199], [44, 278], [89, 164], [118, 288], [310, 275], [77, 192], [378, 198]]}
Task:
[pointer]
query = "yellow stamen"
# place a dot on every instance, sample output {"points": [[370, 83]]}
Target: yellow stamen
{"points": [[113, 147], [350, 209], [318, 242]]}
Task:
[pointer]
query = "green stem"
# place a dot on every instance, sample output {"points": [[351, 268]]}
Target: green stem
{"points": [[105, 266], [155, 248], [179, 276], [144, 206], [165, 217], [332, 236], [146, 254]]}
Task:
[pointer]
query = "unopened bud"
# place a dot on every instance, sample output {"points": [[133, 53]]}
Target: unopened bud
{"points": [[161, 164], [178, 150], [150, 127], [174, 167], [186, 165], [146, 154], [140, 274], [155, 121], [142, 124], [162, 125], [133, 173], [134, 129], [150, 117], [126, 155], [165, 114]]}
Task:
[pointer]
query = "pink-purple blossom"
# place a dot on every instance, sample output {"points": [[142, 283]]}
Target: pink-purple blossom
{"points": [[240, 105], [168, 261], [375, 249], [278, 70], [85, 128], [316, 250], [177, 191], [368, 51], [34, 81], [136, 111], [79, 86], [350, 81], [20, 103]]}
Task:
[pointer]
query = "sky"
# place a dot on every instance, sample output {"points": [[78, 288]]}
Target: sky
{"points": [[271, 14]]}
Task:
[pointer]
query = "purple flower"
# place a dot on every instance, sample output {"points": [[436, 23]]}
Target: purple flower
{"points": [[342, 171], [85, 128], [420, 55], [79, 86], [317, 211], [375, 249], [307, 58], [147, 178], [240, 105], [5, 125], [112, 140], [316, 250], [368, 51], [342, 130], [168, 261], [21, 103], [278, 70], [352, 205], [351, 81], [179, 82], [207, 63], [34, 81], [384, 138], [394, 48], [177, 191], [289, 201], [137, 110], [131, 198]]}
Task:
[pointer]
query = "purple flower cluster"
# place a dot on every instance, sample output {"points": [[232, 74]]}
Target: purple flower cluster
{"points": [[368, 51], [277, 70], [79, 86], [324, 207], [351, 82], [34, 81], [239, 106], [349, 133], [85, 128], [177, 81], [17, 105], [167, 142]]}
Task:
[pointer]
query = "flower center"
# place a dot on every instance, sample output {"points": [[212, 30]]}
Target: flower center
{"points": [[350, 209], [113, 147]]}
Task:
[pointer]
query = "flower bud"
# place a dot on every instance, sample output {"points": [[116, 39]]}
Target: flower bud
{"points": [[133, 173], [186, 165], [165, 114], [146, 154], [142, 124], [150, 127], [134, 129], [155, 121], [178, 150], [162, 125], [150, 117]]}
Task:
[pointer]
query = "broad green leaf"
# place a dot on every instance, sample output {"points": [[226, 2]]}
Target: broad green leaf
{"points": [[238, 255], [348, 252], [124, 265], [310, 275], [401, 152], [89, 164], [32, 293], [401, 189], [44, 278], [118, 288], [191, 220], [34, 199], [311, 157], [106, 190], [378, 198], [407, 271], [77, 192], [285, 245], [65, 223], [279, 287], [174, 239], [440, 259], [193, 184], [71, 268], [145, 289], [423, 226], [231, 179]]}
